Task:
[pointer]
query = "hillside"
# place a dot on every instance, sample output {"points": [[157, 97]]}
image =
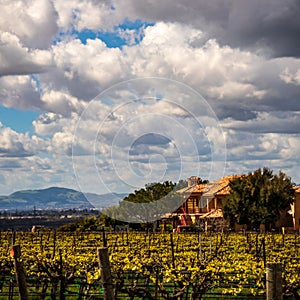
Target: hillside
{"points": [[57, 198]]}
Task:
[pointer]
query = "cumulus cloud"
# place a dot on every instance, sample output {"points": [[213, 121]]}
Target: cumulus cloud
{"points": [[27, 29], [238, 85], [247, 151], [290, 77], [235, 82], [32, 22], [13, 144], [35, 172], [19, 92], [61, 102], [152, 133], [269, 27], [85, 75], [15, 59], [274, 122], [242, 57], [49, 123], [166, 50], [91, 14]]}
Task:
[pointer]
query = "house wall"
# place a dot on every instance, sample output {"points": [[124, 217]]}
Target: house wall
{"points": [[285, 220], [296, 211], [192, 205], [197, 205], [219, 203], [211, 204]]}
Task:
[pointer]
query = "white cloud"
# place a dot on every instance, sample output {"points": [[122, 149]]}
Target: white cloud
{"points": [[268, 122], [62, 142], [15, 59], [290, 77], [234, 90], [172, 34], [33, 22], [49, 123], [255, 97], [14, 144], [248, 151], [61, 102], [88, 14], [85, 75], [19, 92], [269, 27], [168, 50], [35, 172]]}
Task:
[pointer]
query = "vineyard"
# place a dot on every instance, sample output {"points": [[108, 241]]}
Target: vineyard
{"points": [[149, 265]]}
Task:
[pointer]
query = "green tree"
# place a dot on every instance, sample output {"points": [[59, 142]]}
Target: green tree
{"points": [[151, 192], [147, 204], [258, 198]]}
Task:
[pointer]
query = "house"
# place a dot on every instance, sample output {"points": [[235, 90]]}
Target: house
{"points": [[295, 209], [203, 202]]}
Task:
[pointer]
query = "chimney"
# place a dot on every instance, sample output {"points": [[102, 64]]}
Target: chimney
{"points": [[193, 180]]}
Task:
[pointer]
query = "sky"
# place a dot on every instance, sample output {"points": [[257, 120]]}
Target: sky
{"points": [[107, 96]]}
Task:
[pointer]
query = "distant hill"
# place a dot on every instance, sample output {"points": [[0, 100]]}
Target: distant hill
{"points": [[57, 198]]}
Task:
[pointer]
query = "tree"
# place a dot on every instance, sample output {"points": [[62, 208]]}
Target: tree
{"points": [[148, 204], [258, 198], [151, 192]]}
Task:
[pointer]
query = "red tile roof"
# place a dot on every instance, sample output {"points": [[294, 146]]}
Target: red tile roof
{"points": [[217, 187], [216, 213], [297, 189]]}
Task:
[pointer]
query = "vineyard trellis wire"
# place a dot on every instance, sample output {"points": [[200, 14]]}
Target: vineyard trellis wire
{"points": [[149, 265]]}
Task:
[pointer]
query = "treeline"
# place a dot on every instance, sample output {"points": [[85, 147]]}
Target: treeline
{"points": [[256, 198]]}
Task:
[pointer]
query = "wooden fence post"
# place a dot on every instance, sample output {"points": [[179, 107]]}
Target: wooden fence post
{"points": [[104, 265], [172, 250], [54, 243], [104, 238], [273, 281], [20, 274], [62, 278]]}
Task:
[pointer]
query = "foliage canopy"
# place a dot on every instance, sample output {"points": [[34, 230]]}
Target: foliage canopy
{"points": [[148, 204], [258, 198]]}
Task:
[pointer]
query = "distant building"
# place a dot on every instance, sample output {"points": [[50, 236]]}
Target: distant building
{"points": [[203, 206], [295, 209]]}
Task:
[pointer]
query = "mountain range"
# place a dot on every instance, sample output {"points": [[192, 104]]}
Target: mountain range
{"points": [[57, 198]]}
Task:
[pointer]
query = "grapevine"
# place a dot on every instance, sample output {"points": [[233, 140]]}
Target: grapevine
{"points": [[148, 264]]}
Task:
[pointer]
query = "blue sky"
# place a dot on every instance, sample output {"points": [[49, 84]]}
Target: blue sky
{"points": [[18, 120], [228, 91], [113, 39], [21, 120]]}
